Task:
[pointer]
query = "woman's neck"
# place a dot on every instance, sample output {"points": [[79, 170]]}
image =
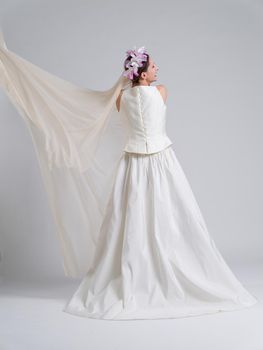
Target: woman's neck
{"points": [[141, 85]]}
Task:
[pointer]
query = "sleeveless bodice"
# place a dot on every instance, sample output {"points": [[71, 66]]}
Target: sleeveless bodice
{"points": [[145, 113]]}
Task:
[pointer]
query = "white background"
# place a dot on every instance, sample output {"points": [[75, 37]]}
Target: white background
{"points": [[210, 56]]}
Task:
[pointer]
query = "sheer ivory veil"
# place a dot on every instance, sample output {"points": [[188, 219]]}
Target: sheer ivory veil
{"points": [[79, 137]]}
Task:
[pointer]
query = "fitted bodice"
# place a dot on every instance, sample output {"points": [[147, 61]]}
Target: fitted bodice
{"points": [[145, 113]]}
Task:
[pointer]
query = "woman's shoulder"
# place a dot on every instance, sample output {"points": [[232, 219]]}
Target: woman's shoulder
{"points": [[161, 87], [163, 91]]}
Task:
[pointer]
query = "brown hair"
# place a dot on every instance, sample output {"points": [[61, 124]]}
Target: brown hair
{"points": [[144, 68]]}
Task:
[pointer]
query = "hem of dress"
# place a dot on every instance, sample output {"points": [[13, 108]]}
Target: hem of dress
{"points": [[182, 315]]}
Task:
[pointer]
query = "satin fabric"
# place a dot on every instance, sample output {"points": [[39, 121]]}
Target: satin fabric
{"points": [[145, 111], [156, 258]]}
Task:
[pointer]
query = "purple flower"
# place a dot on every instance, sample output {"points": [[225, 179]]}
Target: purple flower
{"points": [[137, 58]]}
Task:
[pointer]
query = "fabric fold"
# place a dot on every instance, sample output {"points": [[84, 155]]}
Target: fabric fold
{"points": [[79, 138]]}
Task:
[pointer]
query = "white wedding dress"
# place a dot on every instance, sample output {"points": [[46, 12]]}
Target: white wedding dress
{"points": [[155, 258], [126, 219]]}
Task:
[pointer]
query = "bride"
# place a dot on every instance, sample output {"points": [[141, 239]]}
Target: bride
{"points": [[126, 218]]}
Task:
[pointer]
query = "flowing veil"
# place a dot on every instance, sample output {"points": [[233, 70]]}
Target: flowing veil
{"points": [[79, 138]]}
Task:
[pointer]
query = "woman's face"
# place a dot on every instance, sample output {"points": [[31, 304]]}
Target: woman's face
{"points": [[152, 71]]}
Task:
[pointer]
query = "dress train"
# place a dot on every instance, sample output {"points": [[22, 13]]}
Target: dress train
{"points": [[156, 258]]}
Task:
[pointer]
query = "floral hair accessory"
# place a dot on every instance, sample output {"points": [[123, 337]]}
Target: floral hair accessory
{"points": [[137, 58]]}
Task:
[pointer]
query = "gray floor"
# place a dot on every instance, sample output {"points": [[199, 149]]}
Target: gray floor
{"points": [[31, 318]]}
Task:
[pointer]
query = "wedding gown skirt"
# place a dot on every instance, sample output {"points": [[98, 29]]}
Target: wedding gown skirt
{"points": [[156, 258]]}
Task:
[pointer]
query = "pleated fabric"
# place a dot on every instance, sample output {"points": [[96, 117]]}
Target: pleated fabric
{"points": [[156, 258]]}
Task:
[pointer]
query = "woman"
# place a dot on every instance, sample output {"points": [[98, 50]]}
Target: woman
{"points": [[127, 219]]}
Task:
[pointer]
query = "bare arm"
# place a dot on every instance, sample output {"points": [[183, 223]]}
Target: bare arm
{"points": [[118, 101], [163, 92]]}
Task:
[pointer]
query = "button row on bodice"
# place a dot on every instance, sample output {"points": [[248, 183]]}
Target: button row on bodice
{"points": [[145, 112]]}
